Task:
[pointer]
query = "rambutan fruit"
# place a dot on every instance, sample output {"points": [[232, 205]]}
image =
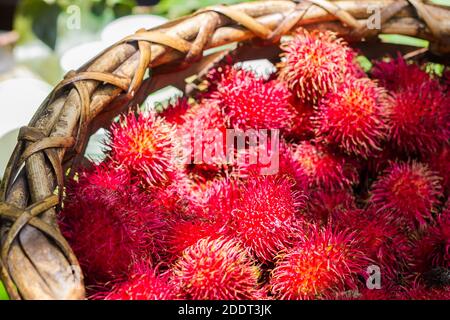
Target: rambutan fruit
{"points": [[433, 249], [324, 205], [420, 292], [250, 102], [410, 192], [302, 124], [396, 74], [144, 144], [440, 162], [218, 269], [175, 111], [322, 265], [109, 226], [323, 169], [419, 118], [353, 117], [144, 283], [380, 240], [265, 217], [314, 64]]}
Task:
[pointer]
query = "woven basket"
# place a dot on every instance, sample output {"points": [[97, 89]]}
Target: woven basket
{"points": [[36, 261]]}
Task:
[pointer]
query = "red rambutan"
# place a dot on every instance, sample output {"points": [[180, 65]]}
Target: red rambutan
{"points": [[324, 170], [265, 217], [144, 283], [380, 240], [324, 205], [302, 124], [353, 117], [321, 266], [217, 269], [440, 162], [433, 249], [250, 102], [396, 74], [109, 226], [175, 111], [315, 63], [409, 192], [144, 144], [419, 118], [419, 292]]}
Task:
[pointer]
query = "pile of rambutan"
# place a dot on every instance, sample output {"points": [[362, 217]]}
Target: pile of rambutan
{"points": [[320, 181]]}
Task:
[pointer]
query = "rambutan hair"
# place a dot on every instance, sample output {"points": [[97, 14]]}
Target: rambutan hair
{"points": [[144, 144], [313, 64], [250, 102], [323, 206], [109, 225], [143, 283], [410, 192], [265, 217], [384, 243], [175, 111], [353, 117], [419, 118], [218, 269], [323, 169], [396, 73], [322, 265], [440, 162], [433, 249]]}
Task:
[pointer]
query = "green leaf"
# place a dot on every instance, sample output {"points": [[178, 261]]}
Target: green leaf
{"points": [[365, 63], [442, 2], [3, 293], [404, 40], [177, 8]]}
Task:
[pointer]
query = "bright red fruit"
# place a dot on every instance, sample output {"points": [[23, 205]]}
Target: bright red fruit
{"points": [[409, 192], [353, 117], [313, 64], [144, 144], [265, 217], [321, 266], [217, 269]]}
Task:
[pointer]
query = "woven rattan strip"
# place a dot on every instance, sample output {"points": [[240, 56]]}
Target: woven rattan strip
{"points": [[32, 186]]}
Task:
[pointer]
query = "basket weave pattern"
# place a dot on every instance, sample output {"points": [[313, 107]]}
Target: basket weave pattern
{"points": [[36, 262]]}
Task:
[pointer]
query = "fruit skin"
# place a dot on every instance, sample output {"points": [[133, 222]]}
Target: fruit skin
{"points": [[313, 64], [323, 169], [440, 162], [109, 225], [420, 292], [433, 249], [144, 283], [218, 269], [353, 117], [419, 121], [265, 217], [396, 74], [250, 102], [175, 111], [144, 144], [381, 241], [409, 192], [322, 265]]}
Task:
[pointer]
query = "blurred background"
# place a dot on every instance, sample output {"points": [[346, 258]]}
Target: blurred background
{"points": [[41, 40]]}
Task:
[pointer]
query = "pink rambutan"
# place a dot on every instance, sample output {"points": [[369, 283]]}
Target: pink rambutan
{"points": [[144, 144], [265, 217], [322, 265], [108, 226], [303, 123], [175, 111], [324, 205], [419, 118], [315, 63], [353, 117], [433, 249], [144, 283], [380, 240], [323, 169], [440, 162], [396, 74], [218, 269], [409, 192], [250, 102]]}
